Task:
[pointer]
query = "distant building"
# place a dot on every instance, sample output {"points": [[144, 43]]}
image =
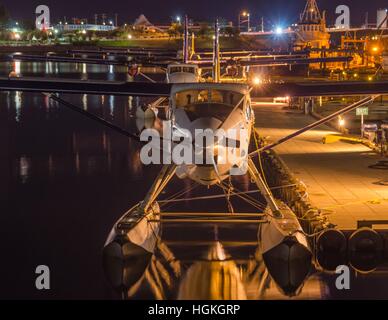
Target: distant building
{"points": [[142, 23], [311, 28], [87, 27], [223, 23]]}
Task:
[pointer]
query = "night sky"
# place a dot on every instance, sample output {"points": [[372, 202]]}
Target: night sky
{"points": [[277, 12]]}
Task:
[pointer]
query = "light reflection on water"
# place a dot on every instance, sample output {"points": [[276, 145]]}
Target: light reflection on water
{"points": [[68, 182], [212, 278]]}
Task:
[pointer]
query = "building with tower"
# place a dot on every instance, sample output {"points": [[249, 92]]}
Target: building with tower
{"points": [[311, 28]]}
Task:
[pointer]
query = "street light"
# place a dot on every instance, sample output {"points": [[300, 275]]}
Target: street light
{"points": [[178, 19], [257, 81], [279, 30], [129, 37], [341, 122], [244, 17]]}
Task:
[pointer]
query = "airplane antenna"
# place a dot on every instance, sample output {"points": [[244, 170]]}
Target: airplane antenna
{"points": [[186, 41], [192, 49], [216, 54]]}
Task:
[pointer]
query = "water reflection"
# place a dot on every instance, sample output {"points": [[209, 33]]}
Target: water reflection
{"points": [[85, 102], [24, 168], [18, 104], [141, 262], [41, 124], [229, 269], [213, 275], [111, 105], [214, 278], [66, 70]]}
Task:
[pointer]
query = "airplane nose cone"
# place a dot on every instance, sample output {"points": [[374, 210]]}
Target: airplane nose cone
{"points": [[124, 262], [288, 264], [205, 124]]}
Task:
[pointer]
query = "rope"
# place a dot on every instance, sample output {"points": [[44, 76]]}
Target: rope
{"points": [[248, 199], [255, 133], [251, 198], [219, 196], [175, 197]]}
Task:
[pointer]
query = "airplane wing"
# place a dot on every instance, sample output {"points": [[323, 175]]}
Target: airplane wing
{"points": [[85, 86], [292, 61], [275, 61], [37, 58], [271, 90], [64, 59], [316, 89]]}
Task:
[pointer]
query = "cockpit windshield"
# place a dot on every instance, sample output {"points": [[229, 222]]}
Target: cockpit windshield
{"points": [[197, 96], [208, 102]]}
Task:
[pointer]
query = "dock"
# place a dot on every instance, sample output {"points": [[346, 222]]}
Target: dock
{"points": [[347, 181]]}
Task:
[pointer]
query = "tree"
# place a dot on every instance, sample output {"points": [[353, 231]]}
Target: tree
{"points": [[204, 31], [27, 24], [4, 17], [175, 30], [230, 31]]}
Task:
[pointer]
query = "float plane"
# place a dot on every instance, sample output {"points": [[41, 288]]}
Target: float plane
{"points": [[219, 108]]}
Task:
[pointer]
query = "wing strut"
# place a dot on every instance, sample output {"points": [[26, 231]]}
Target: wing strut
{"points": [[92, 116]]}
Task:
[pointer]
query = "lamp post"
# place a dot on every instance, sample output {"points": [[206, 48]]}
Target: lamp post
{"points": [[244, 17]]}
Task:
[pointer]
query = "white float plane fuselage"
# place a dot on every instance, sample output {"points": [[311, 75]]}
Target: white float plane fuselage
{"points": [[222, 110], [182, 73]]}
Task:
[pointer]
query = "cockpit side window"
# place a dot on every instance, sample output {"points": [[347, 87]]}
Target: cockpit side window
{"points": [[175, 70], [188, 69]]}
